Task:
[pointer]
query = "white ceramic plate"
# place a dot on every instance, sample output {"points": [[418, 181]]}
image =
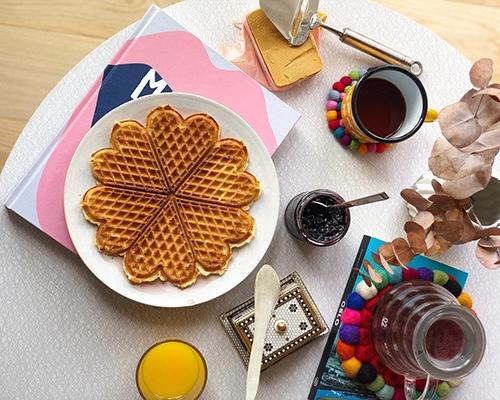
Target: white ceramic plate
{"points": [[163, 294]]}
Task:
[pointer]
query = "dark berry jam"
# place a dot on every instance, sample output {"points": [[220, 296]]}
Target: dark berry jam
{"points": [[313, 223], [323, 224]]}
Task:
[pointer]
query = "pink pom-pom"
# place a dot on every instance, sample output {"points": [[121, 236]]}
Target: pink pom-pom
{"points": [[331, 105], [350, 317]]}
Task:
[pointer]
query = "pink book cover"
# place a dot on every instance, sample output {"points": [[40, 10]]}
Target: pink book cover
{"points": [[160, 56]]}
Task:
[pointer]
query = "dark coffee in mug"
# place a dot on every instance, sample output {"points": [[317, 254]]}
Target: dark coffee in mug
{"points": [[381, 107]]}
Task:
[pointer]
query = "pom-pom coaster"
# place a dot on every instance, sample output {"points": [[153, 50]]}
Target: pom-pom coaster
{"points": [[354, 346], [334, 116]]}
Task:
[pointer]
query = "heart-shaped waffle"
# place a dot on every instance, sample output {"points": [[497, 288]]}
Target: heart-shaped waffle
{"points": [[171, 197]]}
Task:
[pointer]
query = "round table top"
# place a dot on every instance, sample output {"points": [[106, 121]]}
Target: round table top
{"points": [[64, 333]]}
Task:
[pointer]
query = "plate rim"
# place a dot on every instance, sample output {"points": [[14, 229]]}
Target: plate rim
{"points": [[271, 210]]}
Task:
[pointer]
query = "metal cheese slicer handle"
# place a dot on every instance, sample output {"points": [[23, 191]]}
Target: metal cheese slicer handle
{"points": [[369, 46]]}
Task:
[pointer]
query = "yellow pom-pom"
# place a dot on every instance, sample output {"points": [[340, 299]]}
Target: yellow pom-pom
{"points": [[330, 115], [431, 115], [465, 300], [351, 367]]}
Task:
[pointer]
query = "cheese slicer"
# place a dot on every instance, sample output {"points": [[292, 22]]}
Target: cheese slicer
{"points": [[296, 18]]}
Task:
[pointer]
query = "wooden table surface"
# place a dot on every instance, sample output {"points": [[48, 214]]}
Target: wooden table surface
{"points": [[43, 40]]}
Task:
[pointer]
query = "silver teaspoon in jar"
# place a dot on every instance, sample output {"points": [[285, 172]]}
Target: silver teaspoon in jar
{"points": [[353, 203]]}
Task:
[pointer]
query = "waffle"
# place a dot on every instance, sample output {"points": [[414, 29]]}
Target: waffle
{"points": [[171, 197]]}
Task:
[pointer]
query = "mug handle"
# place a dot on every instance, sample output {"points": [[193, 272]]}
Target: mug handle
{"points": [[429, 389]]}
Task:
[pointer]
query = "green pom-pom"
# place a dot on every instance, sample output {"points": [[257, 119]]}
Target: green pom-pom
{"points": [[354, 145], [385, 280], [440, 277], [376, 385], [443, 389], [354, 75]]}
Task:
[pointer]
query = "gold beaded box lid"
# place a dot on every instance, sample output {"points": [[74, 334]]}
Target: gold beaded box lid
{"points": [[295, 322]]}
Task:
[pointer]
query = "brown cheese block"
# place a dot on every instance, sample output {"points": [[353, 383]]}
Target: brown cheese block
{"points": [[285, 64]]}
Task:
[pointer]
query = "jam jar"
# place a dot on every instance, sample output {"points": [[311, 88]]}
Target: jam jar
{"points": [[310, 222]]}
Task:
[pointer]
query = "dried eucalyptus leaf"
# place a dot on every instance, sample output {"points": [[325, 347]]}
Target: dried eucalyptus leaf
{"points": [[481, 72], [488, 257], [432, 249], [489, 241], [386, 254], [488, 111], [443, 201], [487, 145], [415, 199], [451, 231], [469, 230], [416, 242], [376, 258], [455, 214], [374, 275], [413, 227], [449, 163], [402, 251], [469, 185], [491, 91], [444, 245], [459, 124], [425, 219], [483, 233], [437, 187]]}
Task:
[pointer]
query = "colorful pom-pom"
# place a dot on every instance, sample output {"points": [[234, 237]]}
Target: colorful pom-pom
{"points": [[351, 366], [381, 147], [345, 350], [385, 393], [366, 374], [410, 274], [331, 105], [354, 75], [364, 336], [333, 123], [453, 287], [366, 317], [334, 95], [362, 149], [350, 317], [365, 291], [465, 300], [385, 279], [331, 115], [362, 72], [354, 145], [365, 353], [376, 385], [443, 389], [355, 301], [378, 365], [346, 140], [339, 133], [392, 378], [338, 86], [425, 274], [346, 80], [456, 383], [440, 277], [396, 276], [399, 394], [349, 334], [371, 147]]}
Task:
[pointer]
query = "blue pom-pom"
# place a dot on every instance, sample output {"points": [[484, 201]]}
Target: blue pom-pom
{"points": [[426, 274], [349, 334], [339, 133], [334, 95], [362, 72], [355, 302], [396, 276]]}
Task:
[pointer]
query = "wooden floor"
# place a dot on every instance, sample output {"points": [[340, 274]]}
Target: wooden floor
{"points": [[42, 40]]}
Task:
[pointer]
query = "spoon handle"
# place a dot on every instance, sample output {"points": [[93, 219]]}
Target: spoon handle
{"points": [[363, 200], [267, 289]]}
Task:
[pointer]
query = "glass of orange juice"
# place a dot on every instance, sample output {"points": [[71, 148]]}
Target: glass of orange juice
{"points": [[171, 369]]}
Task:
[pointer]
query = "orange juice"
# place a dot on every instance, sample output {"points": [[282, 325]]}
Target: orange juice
{"points": [[171, 369]]}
